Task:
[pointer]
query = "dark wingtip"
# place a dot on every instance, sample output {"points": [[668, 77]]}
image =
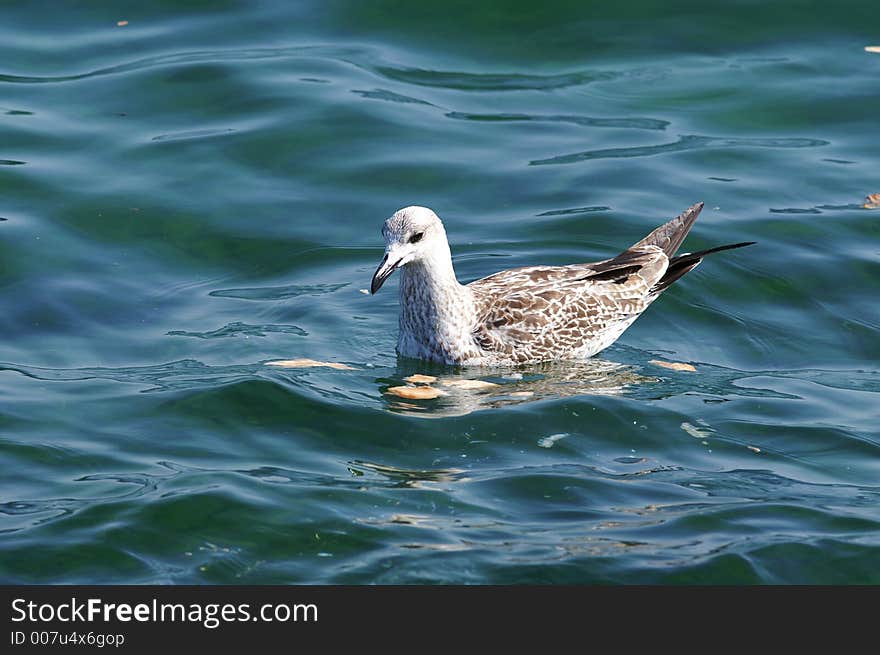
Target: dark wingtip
{"points": [[668, 237], [682, 264], [727, 247]]}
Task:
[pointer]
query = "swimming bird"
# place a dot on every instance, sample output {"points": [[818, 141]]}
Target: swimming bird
{"points": [[523, 315]]}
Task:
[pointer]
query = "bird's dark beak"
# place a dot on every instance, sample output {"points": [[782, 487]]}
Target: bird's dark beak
{"points": [[383, 273]]}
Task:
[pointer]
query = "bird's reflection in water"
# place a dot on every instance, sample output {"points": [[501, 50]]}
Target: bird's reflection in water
{"points": [[418, 389]]}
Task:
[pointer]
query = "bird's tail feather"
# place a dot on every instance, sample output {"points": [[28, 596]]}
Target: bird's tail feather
{"points": [[669, 236], [687, 262]]}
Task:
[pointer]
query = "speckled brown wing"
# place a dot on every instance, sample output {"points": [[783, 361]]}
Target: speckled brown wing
{"points": [[530, 314]]}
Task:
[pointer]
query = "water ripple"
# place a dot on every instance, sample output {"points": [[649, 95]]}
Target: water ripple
{"points": [[575, 210], [686, 142], [589, 121], [181, 374], [390, 96], [407, 477], [557, 380], [360, 57], [490, 81], [61, 507], [278, 293], [193, 134], [243, 329], [818, 209], [194, 57], [769, 487]]}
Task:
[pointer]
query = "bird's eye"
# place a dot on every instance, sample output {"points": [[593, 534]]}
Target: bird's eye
{"points": [[415, 238]]}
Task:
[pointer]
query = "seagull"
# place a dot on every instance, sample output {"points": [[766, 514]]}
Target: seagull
{"points": [[523, 315]]}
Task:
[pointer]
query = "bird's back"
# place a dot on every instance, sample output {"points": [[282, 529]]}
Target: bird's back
{"points": [[536, 313], [557, 312]]}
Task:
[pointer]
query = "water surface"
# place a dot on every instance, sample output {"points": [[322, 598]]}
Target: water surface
{"points": [[199, 192]]}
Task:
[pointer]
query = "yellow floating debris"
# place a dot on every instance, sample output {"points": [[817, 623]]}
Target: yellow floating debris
{"points": [[872, 48], [872, 201], [309, 363], [468, 385], [675, 366], [416, 393], [418, 378]]}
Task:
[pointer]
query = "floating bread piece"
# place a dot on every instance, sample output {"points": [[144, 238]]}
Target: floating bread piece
{"points": [[522, 394], [309, 363], [416, 393], [675, 366], [754, 449], [872, 48], [418, 378], [468, 384], [872, 201]]}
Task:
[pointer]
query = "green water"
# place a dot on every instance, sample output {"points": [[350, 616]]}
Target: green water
{"points": [[198, 192]]}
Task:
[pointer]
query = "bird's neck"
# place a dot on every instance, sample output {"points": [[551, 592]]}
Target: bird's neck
{"points": [[433, 275], [436, 312]]}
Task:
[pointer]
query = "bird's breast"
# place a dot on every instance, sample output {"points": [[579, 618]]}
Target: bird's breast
{"points": [[436, 321]]}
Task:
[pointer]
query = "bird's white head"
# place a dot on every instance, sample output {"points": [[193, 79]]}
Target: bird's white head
{"points": [[412, 234]]}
